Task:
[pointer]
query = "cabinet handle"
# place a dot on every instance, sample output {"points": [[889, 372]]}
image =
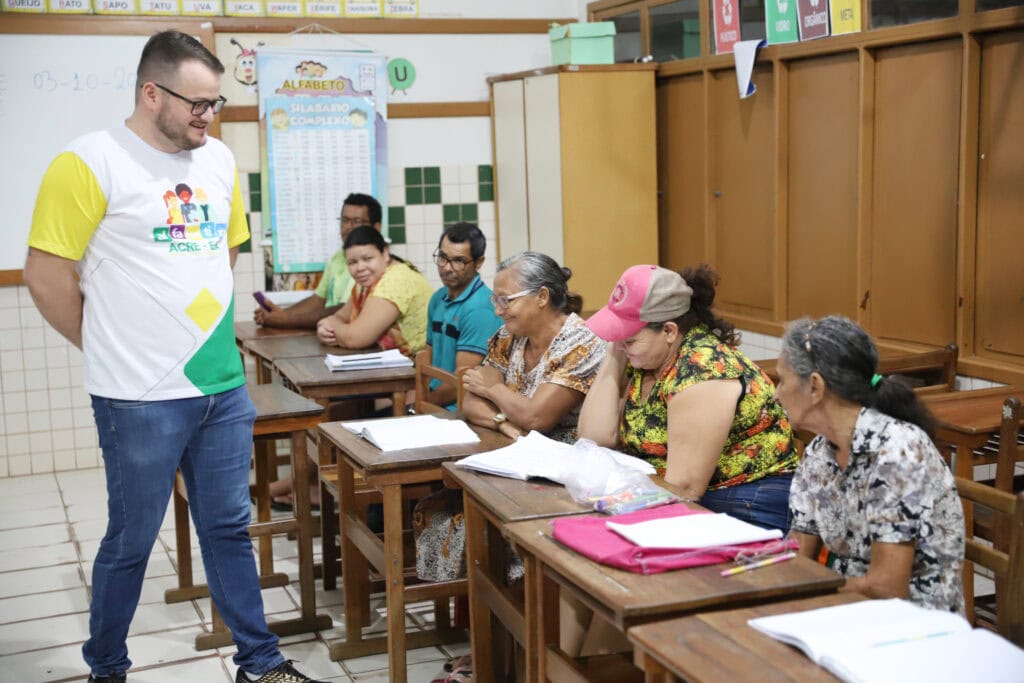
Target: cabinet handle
{"points": [[717, 193]]}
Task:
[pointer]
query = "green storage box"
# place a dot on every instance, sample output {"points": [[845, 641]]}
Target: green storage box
{"points": [[592, 43]]}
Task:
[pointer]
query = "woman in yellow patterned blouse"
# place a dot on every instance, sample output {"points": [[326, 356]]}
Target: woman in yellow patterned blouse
{"points": [[673, 389], [388, 303]]}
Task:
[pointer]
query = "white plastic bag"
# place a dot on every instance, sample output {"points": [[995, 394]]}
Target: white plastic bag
{"points": [[610, 482]]}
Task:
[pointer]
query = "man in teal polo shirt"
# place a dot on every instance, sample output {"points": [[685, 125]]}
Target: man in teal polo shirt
{"points": [[460, 317]]}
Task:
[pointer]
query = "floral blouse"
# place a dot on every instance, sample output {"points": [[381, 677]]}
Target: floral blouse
{"points": [[572, 360], [895, 489], [760, 442]]}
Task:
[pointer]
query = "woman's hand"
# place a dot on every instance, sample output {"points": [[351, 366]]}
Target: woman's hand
{"points": [[510, 430], [480, 380], [325, 331]]}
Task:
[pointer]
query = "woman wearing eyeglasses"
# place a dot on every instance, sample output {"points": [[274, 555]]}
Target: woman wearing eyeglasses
{"points": [[388, 303], [542, 361], [871, 488]]}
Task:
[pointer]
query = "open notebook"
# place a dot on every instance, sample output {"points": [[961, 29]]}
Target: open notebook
{"points": [[879, 641], [535, 455], [421, 431], [392, 358]]}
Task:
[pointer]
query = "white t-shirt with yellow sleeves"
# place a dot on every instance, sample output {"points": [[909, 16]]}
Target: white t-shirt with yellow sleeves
{"points": [[151, 233]]}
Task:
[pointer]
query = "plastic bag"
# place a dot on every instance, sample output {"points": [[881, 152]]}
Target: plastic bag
{"points": [[600, 479]]}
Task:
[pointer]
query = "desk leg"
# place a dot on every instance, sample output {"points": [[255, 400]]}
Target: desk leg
{"points": [[329, 523], [264, 461], [355, 572], [478, 562], [394, 577], [398, 403], [543, 593], [303, 515]]}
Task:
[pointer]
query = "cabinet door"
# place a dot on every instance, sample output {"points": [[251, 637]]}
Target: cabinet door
{"points": [[822, 201], [509, 130], [544, 166], [914, 202], [1000, 275]]}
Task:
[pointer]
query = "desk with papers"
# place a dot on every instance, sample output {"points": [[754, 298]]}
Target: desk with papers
{"points": [[395, 475]]}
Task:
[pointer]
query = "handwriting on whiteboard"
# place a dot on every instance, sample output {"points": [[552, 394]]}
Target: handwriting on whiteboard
{"points": [[75, 81]]}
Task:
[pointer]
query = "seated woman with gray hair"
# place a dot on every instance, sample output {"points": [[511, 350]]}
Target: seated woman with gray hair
{"points": [[871, 488], [541, 362]]}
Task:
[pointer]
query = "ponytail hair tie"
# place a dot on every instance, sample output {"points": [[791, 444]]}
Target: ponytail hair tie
{"points": [[875, 379]]}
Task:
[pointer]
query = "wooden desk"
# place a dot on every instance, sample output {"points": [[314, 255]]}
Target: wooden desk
{"points": [[280, 413], [311, 378], [719, 646], [247, 330], [267, 350], [627, 599], [490, 502], [391, 474], [967, 420]]}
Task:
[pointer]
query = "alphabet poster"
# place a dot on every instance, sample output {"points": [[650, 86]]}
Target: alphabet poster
{"points": [[323, 134], [319, 150]]}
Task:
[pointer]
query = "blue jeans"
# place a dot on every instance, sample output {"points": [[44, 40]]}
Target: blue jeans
{"points": [[764, 502], [209, 438]]}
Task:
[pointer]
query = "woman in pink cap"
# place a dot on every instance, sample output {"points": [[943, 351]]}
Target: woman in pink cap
{"points": [[676, 391]]}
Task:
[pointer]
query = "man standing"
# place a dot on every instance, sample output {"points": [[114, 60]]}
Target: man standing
{"points": [[153, 313], [460, 317], [336, 283]]}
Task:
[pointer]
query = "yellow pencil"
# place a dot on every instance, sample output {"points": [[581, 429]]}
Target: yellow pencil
{"points": [[760, 563]]}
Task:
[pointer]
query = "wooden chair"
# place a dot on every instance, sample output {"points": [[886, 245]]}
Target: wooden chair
{"points": [[1007, 452], [426, 372], [1005, 560]]}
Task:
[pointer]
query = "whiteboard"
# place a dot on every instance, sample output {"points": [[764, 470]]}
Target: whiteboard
{"points": [[54, 88]]}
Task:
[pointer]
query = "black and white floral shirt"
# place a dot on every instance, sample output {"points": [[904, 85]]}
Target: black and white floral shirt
{"points": [[895, 489]]}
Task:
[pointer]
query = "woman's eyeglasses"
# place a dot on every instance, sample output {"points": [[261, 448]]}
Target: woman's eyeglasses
{"points": [[502, 301]]}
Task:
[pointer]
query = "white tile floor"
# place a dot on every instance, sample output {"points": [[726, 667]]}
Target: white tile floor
{"points": [[50, 526]]}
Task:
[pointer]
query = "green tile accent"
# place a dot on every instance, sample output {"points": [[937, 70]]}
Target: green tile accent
{"points": [[413, 195], [432, 194], [254, 182], [255, 201], [414, 176], [450, 213], [396, 215], [486, 192], [432, 175], [485, 173], [396, 233], [469, 212]]}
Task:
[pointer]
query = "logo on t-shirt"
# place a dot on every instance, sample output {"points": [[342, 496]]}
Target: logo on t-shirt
{"points": [[191, 226]]}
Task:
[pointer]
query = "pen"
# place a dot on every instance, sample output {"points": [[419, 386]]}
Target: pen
{"points": [[760, 563]]}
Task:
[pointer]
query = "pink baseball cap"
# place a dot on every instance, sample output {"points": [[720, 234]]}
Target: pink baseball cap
{"points": [[644, 294]]}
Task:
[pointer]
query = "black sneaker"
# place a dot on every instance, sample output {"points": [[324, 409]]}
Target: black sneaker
{"points": [[284, 673], [112, 678]]}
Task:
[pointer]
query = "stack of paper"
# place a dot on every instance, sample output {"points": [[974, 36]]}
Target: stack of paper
{"points": [[693, 531], [895, 640], [392, 358], [421, 431], [535, 455]]}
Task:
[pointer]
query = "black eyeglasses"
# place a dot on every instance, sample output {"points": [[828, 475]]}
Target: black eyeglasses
{"points": [[199, 107], [441, 259]]}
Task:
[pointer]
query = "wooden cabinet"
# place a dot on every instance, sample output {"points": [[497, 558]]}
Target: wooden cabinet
{"points": [[576, 170]]}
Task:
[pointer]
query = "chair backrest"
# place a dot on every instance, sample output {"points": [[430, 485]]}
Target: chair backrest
{"points": [[424, 373], [1010, 451], [1007, 562]]}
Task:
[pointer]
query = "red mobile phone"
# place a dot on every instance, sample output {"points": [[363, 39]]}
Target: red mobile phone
{"points": [[261, 300]]}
